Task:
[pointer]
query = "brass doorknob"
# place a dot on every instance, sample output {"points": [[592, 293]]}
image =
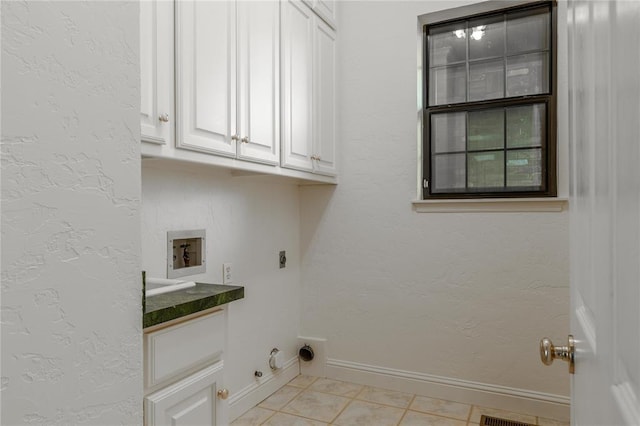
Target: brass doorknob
{"points": [[223, 393], [549, 352]]}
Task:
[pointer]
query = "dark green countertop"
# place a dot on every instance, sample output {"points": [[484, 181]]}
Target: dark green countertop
{"points": [[168, 306]]}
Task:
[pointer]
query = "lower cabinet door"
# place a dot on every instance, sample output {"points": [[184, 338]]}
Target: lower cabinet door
{"points": [[191, 401]]}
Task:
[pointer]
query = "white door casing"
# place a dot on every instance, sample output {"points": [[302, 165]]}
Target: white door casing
{"points": [[604, 70]]}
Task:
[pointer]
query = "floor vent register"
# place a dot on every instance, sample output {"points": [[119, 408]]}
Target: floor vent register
{"points": [[496, 421]]}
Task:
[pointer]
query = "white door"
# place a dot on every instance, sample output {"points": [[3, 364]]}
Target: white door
{"points": [[604, 75]]}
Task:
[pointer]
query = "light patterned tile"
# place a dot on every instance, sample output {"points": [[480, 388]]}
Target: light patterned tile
{"points": [[281, 419], [253, 417], [336, 387], [280, 398], [316, 405], [413, 418], [386, 397], [441, 407], [302, 381], [550, 422], [366, 414], [477, 412]]}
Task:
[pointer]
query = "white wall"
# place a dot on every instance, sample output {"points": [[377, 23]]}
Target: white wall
{"points": [[248, 221], [71, 285], [457, 295]]}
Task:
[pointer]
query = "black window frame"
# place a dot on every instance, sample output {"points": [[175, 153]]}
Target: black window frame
{"points": [[548, 150]]}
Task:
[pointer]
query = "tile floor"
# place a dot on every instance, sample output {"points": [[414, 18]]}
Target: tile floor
{"points": [[312, 401]]}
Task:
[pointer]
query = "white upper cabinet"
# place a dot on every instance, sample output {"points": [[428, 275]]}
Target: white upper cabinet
{"points": [[206, 76], [254, 85], [308, 76], [297, 80], [324, 99], [259, 80], [227, 78], [156, 72]]}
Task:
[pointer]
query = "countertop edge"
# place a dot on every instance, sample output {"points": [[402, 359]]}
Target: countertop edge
{"points": [[159, 316]]}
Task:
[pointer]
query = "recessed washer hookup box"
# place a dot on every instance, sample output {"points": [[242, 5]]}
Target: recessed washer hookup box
{"points": [[186, 253]]}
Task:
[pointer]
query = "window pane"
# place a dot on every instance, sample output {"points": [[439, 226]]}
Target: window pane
{"points": [[486, 129], [527, 31], [448, 172], [486, 169], [448, 132], [524, 168], [447, 44], [525, 126], [486, 80], [527, 74], [486, 37], [447, 85]]}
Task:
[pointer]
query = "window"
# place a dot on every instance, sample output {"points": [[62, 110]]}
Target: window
{"points": [[489, 119]]}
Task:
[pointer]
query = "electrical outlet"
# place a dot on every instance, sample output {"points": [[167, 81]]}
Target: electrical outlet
{"points": [[226, 273], [283, 259]]}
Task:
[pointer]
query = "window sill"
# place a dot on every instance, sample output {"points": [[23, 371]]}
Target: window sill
{"points": [[491, 205]]}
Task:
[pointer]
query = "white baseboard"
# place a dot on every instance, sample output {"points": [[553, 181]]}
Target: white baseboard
{"points": [[247, 398], [468, 392]]}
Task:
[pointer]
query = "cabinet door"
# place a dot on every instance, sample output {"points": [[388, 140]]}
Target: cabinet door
{"points": [[191, 401], [258, 81], [324, 98], [297, 91], [156, 72], [173, 351], [206, 76]]}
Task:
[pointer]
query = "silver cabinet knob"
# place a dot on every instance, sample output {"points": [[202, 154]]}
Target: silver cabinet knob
{"points": [[164, 118], [235, 137], [244, 140], [549, 352], [223, 393], [315, 157]]}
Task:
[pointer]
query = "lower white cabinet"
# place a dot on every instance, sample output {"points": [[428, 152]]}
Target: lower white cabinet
{"points": [[191, 401], [184, 372]]}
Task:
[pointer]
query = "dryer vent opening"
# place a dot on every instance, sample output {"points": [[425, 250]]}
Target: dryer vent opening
{"points": [[306, 353]]}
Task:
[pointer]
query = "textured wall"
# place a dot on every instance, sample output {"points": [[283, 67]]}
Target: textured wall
{"points": [[248, 221], [459, 295], [71, 311]]}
